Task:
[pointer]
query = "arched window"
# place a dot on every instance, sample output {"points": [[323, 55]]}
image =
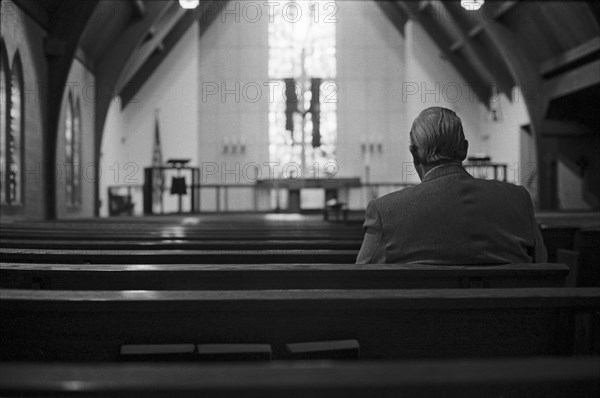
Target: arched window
{"points": [[73, 151], [77, 153], [4, 105], [14, 138]]}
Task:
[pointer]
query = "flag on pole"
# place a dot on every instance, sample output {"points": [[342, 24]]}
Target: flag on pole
{"points": [[158, 177]]}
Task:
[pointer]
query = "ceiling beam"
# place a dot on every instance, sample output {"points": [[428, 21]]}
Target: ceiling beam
{"points": [[165, 46], [82, 57], [139, 8], [396, 13], [572, 81], [502, 9], [428, 19], [471, 34], [583, 52], [480, 57], [35, 9], [562, 128], [157, 32]]}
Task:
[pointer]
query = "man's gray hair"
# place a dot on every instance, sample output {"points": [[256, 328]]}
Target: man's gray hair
{"points": [[437, 134]]}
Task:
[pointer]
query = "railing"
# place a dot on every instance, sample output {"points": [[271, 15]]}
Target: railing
{"points": [[481, 169], [128, 199]]}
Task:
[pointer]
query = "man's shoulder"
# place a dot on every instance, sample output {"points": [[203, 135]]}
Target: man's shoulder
{"points": [[501, 187], [393, 198], [430, 191]]}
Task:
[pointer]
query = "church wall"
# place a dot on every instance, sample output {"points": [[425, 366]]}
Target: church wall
{"points": [[371, 69], [433, 81], [502, 138], [128, 137], [233, 106], [81, 85], [22, 34]]}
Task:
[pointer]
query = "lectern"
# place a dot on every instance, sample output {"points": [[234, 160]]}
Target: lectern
{"points": [[180, 184]]}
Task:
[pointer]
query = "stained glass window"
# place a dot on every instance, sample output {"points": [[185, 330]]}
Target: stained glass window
{"points": [[4, 83], [14, 138], [69, 150], [77, 153], [73, 151], [302, 46]]}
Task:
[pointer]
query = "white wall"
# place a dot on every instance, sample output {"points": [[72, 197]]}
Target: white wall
{"points": [[127, 143], [502, 139], [431, 80], [370, 73], [233, 56], [233, 103]]}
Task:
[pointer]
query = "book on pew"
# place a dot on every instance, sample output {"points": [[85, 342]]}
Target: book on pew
{"points": [[157, 352], [234, 352], [335, 349]]}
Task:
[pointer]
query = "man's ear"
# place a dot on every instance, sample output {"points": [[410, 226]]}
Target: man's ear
{"points": [[465, 149], [415, 153]]}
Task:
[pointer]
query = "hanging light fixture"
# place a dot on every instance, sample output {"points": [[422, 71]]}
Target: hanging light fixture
{"points": [[189, 4], [495, 107], [471, 5]]}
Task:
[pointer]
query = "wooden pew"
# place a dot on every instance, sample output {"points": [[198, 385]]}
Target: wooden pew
{"points": [[175, 256], [276, 276], [508, 378], [559, 229], [182, 244], [43, 325], [223, 229], [584, 259]]}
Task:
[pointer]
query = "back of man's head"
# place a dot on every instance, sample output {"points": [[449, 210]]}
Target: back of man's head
{"points": [[437, 137]]}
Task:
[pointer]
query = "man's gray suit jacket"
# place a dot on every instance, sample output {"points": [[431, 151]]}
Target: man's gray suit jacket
{"points": [[452, 218]]}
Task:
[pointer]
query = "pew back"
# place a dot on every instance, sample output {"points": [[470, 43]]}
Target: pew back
{"points": [[149, 256], [530, 377], [277, 276], [91, 325]]}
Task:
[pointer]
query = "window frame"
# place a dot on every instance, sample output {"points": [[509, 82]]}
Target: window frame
{"points": [[5, 103], [12, 71], [72, 146]]}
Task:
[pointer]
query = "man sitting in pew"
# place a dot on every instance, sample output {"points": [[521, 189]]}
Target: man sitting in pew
{"points": [[450, 217]]}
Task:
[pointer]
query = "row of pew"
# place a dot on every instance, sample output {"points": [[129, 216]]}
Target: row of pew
{"points": [[100, 309], [573, 241]]}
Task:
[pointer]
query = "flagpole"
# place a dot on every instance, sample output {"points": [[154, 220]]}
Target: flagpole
{"points": [[160, 170], [162, 175]]}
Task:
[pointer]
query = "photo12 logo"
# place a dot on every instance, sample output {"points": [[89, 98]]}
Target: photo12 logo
{"points": [[253, 92], [256, 11]]}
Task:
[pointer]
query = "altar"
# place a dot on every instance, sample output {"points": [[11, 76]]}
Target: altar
{"points": [[334, 189]]}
